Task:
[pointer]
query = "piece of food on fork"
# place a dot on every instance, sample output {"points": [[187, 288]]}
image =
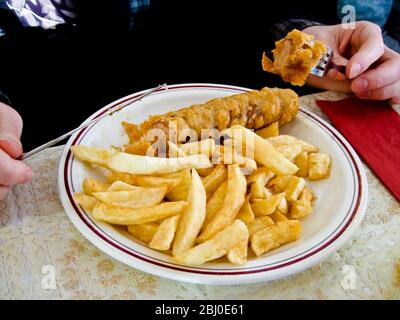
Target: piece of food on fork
{"points": [[296, 56], [253, 110]]}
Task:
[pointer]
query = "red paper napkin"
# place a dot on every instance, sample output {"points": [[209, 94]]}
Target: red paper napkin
{"points": [[373, 129]]}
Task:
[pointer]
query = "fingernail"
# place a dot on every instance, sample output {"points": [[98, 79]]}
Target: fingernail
{"points": [[355, 70], [361, 84], [365, 94], [28, 177]]}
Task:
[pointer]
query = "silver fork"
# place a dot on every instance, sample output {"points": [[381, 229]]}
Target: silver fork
{"points": [[321, 67]]}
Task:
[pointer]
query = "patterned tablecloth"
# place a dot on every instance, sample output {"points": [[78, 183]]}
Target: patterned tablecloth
{"points": [[43, 256]]}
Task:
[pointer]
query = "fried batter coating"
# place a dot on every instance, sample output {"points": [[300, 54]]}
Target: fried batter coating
{"points": [[253, 109], [294, 57]]}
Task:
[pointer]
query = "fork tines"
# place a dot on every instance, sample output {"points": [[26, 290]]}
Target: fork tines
{"points": [[322, 66]]}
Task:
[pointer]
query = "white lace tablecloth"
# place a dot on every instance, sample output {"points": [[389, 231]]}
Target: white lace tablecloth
{"points": [[37, 240]]}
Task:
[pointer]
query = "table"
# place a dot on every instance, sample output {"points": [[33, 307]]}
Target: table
{"points": [[38, 244]]}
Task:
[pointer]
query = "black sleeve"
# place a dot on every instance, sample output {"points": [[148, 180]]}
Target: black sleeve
{"points": [[4, 98], [103, 18], [8, 21], [285, 16]]}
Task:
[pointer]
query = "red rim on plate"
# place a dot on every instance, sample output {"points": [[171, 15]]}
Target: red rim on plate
{"points": [[109, 240]]}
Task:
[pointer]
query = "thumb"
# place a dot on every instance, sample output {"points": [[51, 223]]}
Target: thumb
{"points": [[10, 131], [11, 145]]}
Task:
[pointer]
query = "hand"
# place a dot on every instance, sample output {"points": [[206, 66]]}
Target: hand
{"points": [[11, 171], [382, 81], [355, 49]]}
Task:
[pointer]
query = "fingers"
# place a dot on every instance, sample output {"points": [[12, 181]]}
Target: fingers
{"points": [[368, 39], [391, 91], [3, 191], [11, 145], [328, 83], [13, 171], [386, 73], [339, 62], [10, 131], [335, 74]]}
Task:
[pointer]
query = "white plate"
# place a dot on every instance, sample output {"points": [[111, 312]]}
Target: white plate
{"points": [[340, 205]]}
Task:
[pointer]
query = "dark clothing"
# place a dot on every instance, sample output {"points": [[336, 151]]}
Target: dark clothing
{"points": [[56, 78], [385, 13]]}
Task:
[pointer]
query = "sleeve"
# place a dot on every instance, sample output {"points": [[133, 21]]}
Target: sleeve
{"points": [[4, 98], [281, 28], [289, 15]]}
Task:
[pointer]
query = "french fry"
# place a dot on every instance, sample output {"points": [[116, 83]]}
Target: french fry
{"points": [[306, 195], [267, 206], [165, 233], [137, 198], [271, 131], [278, 216], [261, 171], [127, 216], [205, 147], [319, 166], [283, 140], [300, 209], [205, 172], [294, 188], [279, 183], [151, 181], [221, 213], [267, 194], [174, 151], [235, 197], [181, 190], [258, 224], [228, 155], [257, 187], [114, 176], [302, 162], [283, 206], [133, 164], [147, 181], [121, 186], [264, 151], [275, 235], [246, 213], [192, 217], [215, 202], [90, 185], [214, 180], [290, 151], [144, 232], [85, 201], [92, 155], [219, 245], [238, 254]]}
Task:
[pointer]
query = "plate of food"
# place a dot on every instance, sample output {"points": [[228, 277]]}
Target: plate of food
{"points": [[213, 184]]}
